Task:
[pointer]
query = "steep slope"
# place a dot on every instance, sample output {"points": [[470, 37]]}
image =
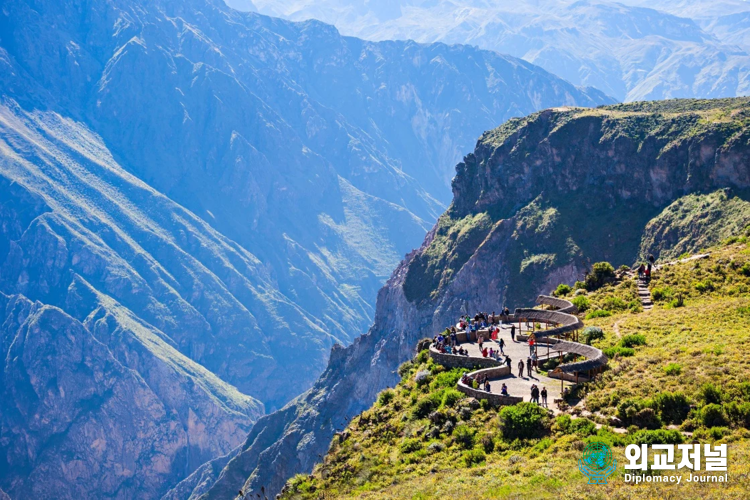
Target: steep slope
{"points": [[681, 373], [629, 52], [325, 157], [539, 200]]}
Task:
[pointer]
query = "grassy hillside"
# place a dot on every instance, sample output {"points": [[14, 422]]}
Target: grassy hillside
{"points": [[679, 373]]}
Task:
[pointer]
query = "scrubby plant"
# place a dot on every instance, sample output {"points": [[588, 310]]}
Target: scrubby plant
{"points": [[599, 313], [601, 273], [423, 377], [523, 421], [623, 352], [712, 415], [710, 394], [410, 445], [562, 290], [451, 397], [591, 334], [673, 369], [581, 302], [672, 407], [632, 340], [386, 397], [657, 436], [473, 457], [464, 436]]}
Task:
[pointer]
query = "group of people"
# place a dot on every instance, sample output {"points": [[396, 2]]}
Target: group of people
{"points": [[535, 395], [531, 362], [644, 270], [483, 382]]}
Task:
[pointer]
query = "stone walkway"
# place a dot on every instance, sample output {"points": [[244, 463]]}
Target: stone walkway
{"points": [[645, 295], [518, 386]]}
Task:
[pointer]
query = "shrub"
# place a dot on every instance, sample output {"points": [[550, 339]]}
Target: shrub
{"points": [[658, 436], [562, 423], [464, 436], [613, 303], [451, 397], [410, 445], [423, 408], [405, 368], [592, 333], [709, 393], [599, 313], [581, 302], [673, 408], [423, 377], [474, 457], [745, 269], [523, 421], [738, 414], [583, 427], [601, 273], [647, 418], [488, 443], [659, 294], [562, 290], [623, 352], [386, 397], [633, 340], [712, 415], [703, 286], [673, 369], [448, 378], [579, 285]]}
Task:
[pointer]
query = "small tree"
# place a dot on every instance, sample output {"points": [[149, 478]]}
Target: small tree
{"points": [[524, 421], [602, 273]]}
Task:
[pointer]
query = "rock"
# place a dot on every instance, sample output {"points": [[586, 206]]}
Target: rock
{"points": [[472, 403]]}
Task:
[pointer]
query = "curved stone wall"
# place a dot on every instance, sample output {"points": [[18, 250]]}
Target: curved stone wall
{"points": [[495, 399]]}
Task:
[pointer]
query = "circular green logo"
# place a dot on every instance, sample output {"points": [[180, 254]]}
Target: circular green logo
{"points": [[597, 456]]}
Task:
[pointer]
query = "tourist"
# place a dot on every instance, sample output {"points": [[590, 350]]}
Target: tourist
{"points": [[513, 332], [648, 271], [480, 340], [501, 344], [520, 368], [504, 390], [528, 366], [484, 352], [535, 361], [507, 360], [535, 394], [487, 386], [531, 346], [544, 397], [641, 271]]}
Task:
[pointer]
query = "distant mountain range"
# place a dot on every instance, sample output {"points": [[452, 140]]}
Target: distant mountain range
{"points": [[196, 204], [633, 50]]}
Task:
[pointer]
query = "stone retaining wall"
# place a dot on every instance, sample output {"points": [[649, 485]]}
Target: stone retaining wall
{"points": [[457, 361]]}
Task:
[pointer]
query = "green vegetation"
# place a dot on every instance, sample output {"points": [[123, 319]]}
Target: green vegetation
{"points": [[672, 371]]}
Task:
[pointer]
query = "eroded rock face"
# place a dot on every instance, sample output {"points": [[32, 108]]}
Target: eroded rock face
{"points": [[77, 422], [538, 201]]}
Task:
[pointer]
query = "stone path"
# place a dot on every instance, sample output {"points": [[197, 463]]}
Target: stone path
{"points": [[518, 386], [645, 295]]}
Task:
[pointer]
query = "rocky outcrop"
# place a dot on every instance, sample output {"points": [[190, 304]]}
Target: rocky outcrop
{"points": [[81, 420], [545, 195]]}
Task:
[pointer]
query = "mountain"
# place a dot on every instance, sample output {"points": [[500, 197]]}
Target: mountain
{"points": [[539, 201], [325, 157], [630, 52], [196, 204]]}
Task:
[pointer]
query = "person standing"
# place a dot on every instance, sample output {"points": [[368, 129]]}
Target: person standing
{"points": [[528, 366], [501, 344], [513, 332], [520, 368], [535, 394], [544, 397]]}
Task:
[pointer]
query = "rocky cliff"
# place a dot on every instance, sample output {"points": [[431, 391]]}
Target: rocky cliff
{"points": [[538, 201], [325, 157]]}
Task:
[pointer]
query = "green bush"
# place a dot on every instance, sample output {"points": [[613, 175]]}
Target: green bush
{"points": [[657, 436], [405, 368], [712, 415], [659, 294], [423, 408], [703, 286], [562, 423], [599, 313], [410, 445], [581, 302], [464, 436], [474, 457], [672, 407], [633, 340], [562, 290], [709, 393], [386, 397], [451, 397], [583, 427], [523, 421], [738, 414], [488, 443], [579, 285], [448, 378], [601, 273], [745, 269], [612, 303], [591, 334], [673, 369], [647, 418], [623, 352]]}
